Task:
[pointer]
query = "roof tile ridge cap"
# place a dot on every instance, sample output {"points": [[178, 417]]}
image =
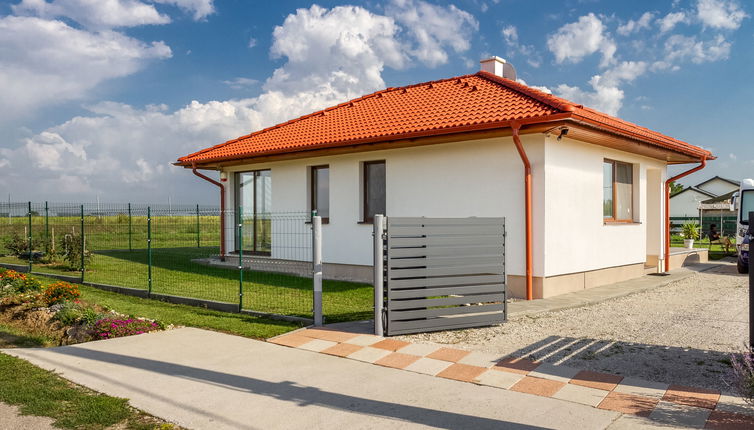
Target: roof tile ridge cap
{"points": [[541, 96]]}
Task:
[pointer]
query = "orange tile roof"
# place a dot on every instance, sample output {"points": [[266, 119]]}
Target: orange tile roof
{"points": [[475, 102]]}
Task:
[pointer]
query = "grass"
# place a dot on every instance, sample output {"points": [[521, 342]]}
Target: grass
{"points": [[41, 393], [716, 250], [13, 337]]}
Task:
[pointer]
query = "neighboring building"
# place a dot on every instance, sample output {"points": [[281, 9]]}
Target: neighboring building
{"points": [[451, 148], [716, 190]]}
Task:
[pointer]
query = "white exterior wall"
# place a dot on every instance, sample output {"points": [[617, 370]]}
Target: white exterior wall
{"points": [[718, 187], [577, 238], [687, 203]]}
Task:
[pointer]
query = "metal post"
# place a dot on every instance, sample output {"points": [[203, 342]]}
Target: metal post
{"points": [[198, 235], [751, 285], [149, 250], [47, 229], [130, 247], [29, 246], [83, 245], [379, 259], [240, 258], [317, 267]]}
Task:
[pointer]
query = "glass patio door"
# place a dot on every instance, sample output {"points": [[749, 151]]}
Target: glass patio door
{"points": [[254, 197]]}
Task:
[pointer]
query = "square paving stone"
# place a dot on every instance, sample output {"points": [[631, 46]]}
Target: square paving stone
{"points": [[679, 415], [692, 396], [495, 378], [538, 386], [480, 359], [516, 365], [390, 344], [462, 372], [734, 403], [342, 349], [600, 381], [369, 354], [449, 354], [629, 404], [579, 394], [428, 366], [640, 387], [317, 345], [556, 373], [331, 335], [420, 349], [293, 340], [721, 420], [364, 340], [396, 360]]}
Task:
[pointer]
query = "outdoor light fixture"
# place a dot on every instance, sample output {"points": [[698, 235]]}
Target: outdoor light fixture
{"points": [[223, 176], [563, 132]]}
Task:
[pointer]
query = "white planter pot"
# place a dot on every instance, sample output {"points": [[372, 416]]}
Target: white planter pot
{"points": [[688, 243]]}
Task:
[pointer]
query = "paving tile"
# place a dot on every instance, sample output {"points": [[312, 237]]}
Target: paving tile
{"points": [[600, 381], [331, 335], [449, 354], [480, 359], [390, 344], [364, 340], [516, 365], [428, 366], [722, 420], [462, 372], [420, 349], [640, 387], [397, 360], [369, 354], [556, 373], [317, 345], [692, 396], [734, 403], [537, 386], [579, 394], [342, 349], [679, 415], [292, 340], [495, 378], [629, 404]]}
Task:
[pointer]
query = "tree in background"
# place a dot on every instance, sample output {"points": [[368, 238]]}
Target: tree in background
{"points": [[675, 187]]}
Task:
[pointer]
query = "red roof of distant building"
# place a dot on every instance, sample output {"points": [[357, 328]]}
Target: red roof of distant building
{"points": [[480, 101]]}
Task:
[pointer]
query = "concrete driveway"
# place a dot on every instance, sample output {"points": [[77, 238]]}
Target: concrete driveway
{"points": [[207, 380]]}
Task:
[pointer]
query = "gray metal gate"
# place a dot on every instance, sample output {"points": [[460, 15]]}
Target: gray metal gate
{"points": [[440, 273]]}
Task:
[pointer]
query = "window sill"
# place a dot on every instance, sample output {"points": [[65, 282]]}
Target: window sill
{"points": [[621, 223]]}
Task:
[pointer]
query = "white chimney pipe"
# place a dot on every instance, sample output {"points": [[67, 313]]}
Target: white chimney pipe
{"points": [[499, 67]]}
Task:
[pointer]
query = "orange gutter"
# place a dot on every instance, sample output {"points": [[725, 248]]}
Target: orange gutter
{"points": [[701, 166], [222, 207], [527, 204]]}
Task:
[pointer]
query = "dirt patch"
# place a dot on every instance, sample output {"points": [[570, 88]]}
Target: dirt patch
{"points": [[680, 333]]}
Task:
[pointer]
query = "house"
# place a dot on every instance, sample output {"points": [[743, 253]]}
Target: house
{"points": [[686, 203], [584, 194]]}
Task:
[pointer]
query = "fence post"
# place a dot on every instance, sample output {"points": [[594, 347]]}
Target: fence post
{"points": [[751, 284], [83, 245], [198, 235], [240, 258], [149, 251], [130, 248], [317, 268], [47, 229], [29, 239], [379, 255]]}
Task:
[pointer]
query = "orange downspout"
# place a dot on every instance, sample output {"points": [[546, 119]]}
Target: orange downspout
{"points": [[701, 166], [527, 203], [222, 207]]}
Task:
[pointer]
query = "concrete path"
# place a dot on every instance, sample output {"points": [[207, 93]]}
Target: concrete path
{"points": [[207, 380], [11, 419]]}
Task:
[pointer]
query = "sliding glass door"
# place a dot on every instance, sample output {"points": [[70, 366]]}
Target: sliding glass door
{"points": [[254, 197]]}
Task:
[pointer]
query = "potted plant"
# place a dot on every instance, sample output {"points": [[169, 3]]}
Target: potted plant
{"points": [[690, 233]]}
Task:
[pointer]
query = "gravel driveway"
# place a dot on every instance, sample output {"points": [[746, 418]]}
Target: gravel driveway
{"points": [[680, 333]]}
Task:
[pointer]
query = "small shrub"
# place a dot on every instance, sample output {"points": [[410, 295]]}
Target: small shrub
{"points": [[72, 249], [690, 230], [89, 316], [742, 379], [108, 328], [61, 292], [68, 315]]}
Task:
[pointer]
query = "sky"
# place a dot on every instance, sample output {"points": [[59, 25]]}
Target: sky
{"points": [[99, 97]]}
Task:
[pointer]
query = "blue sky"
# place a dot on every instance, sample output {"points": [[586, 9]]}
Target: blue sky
{"points": [[98, 97]]}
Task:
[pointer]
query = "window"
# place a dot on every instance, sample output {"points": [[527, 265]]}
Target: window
{"points": [[617, 191], [254, 203], [747, 205], [374, 189], [320, 191]]}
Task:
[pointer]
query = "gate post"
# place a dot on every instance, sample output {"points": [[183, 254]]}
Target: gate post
{"points": [[317, 268], [379, 259]]}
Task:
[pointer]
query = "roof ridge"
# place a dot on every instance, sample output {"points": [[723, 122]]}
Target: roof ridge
{"points": [[539, 95]]}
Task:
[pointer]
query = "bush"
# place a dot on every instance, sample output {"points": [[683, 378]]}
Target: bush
{"points": [[72, 249], [743, 375], [690, 230], [68, 315], [61, 292], [108, 328]]}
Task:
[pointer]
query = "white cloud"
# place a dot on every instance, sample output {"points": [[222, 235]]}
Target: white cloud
{"points": [[252, 42], [240, 83], [722, 14], [47, 62], [669, 21], [634, 26], [94, 14], [510, 36], [682, 48], [200, 8], [433, 29], [605, 94], [574, 41]]}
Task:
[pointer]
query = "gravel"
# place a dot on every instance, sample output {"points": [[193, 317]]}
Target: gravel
{"points": [[682, 333]]}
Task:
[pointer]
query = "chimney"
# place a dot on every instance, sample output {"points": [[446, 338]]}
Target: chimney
{"points": [[498, 66]]}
